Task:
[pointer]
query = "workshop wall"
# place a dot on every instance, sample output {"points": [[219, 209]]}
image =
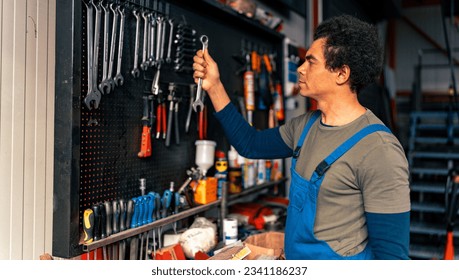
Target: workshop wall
{"points": [[27, 32]]}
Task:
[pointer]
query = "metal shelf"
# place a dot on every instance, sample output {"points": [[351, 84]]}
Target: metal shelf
{"points": [[254, 189], [173, 218], [139, 230]]}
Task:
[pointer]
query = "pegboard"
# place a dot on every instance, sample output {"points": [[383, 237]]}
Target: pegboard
{"points": [[104, 141]]}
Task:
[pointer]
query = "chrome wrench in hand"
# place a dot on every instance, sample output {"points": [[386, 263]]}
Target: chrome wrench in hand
{"points": [[198, 101]]}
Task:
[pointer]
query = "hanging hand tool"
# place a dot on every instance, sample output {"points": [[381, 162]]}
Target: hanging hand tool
{"points": [[198, 101], [161, 118], [111, 61], [109, 218], [145, 144], [146, 31], [116, 216], [177, 203], [129, 213], [97, 222], [151, 42], [104, 85], [88, 226], [122, 206], [115, 227], [151, 207], [135, 71], [135, 212], [171, 35], [103, 227], [166, 202], [156, 216], [108, 224], [173, 116], [93, 95], [119, 80]]}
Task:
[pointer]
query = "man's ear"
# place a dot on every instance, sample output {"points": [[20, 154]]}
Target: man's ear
{"points": [[343, 74]]}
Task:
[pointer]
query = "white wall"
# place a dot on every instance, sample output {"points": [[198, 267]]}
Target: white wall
{"points": [[27, 32]]}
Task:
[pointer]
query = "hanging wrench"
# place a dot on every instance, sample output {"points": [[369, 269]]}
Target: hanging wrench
{"points": [[198, 101], [93, 96], [163, 40], [119, 80], [146, 32], [104, 85], [171, 36], [151, 45], [136, 72], [159, 31], [112, 47]]}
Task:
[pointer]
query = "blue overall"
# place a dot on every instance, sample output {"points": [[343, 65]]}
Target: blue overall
{"points": [[300, 241]]}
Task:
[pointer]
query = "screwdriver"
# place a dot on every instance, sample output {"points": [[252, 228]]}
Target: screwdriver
{"points": [[166, 202], [135, 214], [103, 221], [108, 214], [151, 207], [96, 232], [116, 216], [122, 204], [88, 225], [129, 212]]}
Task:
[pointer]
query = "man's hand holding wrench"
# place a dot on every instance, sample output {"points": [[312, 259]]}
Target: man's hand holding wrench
{"points": [[207, 75], [198, 101]]}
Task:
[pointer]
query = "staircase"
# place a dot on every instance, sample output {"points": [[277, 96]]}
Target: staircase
{"points": [[433, 150]]}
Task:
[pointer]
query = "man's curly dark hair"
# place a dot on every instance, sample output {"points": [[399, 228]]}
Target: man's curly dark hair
{"points": [[352, 42]]}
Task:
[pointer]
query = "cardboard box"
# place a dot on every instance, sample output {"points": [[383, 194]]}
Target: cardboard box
{"points": [[266, 244]]}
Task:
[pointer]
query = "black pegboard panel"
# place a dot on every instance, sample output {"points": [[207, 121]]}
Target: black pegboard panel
{"points": [[111, 134], [106, 140]]}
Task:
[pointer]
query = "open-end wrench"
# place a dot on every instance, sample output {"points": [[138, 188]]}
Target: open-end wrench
{"points": [[104, 85], [151, 45], [119, 80], [163, 40], [135, 71], [198, 101], [93, 96], [146, 32], [171, 36], [159, 31], [112, 46]]}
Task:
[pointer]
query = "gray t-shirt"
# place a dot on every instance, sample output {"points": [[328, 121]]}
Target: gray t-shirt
{"points": [[371, 177]]}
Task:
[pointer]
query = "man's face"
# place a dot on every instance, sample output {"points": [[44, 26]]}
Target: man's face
{"points": [[313, 78]]}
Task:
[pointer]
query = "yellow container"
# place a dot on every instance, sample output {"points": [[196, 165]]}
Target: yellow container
{"points": [[206, 191]]}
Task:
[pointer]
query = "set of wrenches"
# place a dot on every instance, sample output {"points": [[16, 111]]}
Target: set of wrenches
{"points": [[110, 46]]}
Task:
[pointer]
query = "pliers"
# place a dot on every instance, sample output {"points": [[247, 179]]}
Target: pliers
{"points": [[173, 116], [161, 117]]}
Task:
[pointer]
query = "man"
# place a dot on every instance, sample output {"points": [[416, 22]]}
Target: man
{"points": [[349, 192]]}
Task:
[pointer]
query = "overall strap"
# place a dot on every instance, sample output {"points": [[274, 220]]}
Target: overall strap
{"points": [[306, 128], [343, 148]]}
